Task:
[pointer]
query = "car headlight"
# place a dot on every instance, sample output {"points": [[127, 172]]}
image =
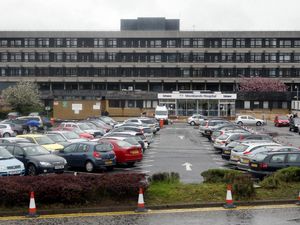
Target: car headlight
{"points": [[65, 162], [3, 168], [45, 164]]}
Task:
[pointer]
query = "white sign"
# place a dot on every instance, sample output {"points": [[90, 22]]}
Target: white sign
{"points": [[76, 108], [97, 106], [196, 95], [181, 137]]}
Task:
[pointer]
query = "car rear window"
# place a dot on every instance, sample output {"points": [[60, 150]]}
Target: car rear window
{"points": [[103, 147], [223, 137], [283, 118], [260, 156], [123, 144]]}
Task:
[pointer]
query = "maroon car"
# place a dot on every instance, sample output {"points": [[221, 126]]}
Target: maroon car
{"points": [[281, 120]]}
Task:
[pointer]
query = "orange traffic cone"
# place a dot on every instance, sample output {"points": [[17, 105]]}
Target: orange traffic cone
{"points": [[32, 208], [298, 202], [141, 204], [229, 202]]}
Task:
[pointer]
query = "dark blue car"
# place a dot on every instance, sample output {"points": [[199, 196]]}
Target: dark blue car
{"points": [[89, 155]]}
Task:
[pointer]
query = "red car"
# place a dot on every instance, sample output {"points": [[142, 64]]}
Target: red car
{"points": [[77, 131], [281, 120], [126, 153]]}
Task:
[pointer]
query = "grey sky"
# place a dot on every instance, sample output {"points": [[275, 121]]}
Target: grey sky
{"points": [[193, 14]]}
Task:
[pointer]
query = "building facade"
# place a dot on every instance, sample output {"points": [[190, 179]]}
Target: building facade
{"points": [[147, 56]]}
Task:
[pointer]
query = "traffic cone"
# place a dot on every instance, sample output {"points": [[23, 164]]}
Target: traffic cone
{"points": [[32, 208], [229, 202], [298, 202], [141, 204]]}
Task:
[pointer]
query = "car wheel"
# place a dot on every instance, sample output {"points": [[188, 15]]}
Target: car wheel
{"points": [[193, 123], [240, 123], [290, 129], [89, 166], [6, 135], [31, 171], [130, 164], [258, 123]]}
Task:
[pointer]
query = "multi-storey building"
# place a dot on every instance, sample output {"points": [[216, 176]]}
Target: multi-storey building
{"points": [[147, 56]]}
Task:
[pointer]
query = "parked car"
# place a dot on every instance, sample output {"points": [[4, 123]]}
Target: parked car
{"points": [[195, 119], [89, 155], [13, 115], [68, 136], [266, 163], [14, 140], [243, 163], [36, 158], [126, 153], [44, 123], [42, 140], [210, 125], [294, 124], [9, 165], [108, 120], [248, 120], [85, 128], [281, 120], [233, 135], [17, 128], [6, 130], [81, 133]]}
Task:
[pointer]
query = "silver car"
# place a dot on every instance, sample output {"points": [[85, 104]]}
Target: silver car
{"points": [[6, 131]]}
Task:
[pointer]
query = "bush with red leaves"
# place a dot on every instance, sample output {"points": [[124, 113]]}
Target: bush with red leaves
{"points": [[68, 189]]}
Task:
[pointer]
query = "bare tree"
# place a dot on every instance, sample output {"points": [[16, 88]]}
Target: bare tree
{"points": [[259, 84]]}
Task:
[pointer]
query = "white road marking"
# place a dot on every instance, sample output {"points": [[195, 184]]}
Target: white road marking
{"points": [[181, 137], [187, 166]]}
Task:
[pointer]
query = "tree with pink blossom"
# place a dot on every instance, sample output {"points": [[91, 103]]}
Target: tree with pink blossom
{"points": [[259, 84]]}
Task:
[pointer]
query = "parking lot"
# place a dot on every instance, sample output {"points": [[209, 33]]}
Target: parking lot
{"points": [[179, 146]]}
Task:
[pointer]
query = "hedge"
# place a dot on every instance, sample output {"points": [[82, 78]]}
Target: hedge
{"points": [[69, 189]]}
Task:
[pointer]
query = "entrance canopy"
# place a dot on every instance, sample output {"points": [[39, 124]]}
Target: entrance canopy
{"points": [[187, 103]]}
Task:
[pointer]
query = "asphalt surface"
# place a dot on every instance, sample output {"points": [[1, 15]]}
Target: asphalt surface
{"points": [[274, 215]]}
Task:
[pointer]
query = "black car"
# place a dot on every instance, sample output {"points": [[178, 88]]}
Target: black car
{"points": [[36, 159], [294, 124], [265, 163], [89, 155]]}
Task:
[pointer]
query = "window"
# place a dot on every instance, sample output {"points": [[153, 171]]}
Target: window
{"points": [[43, 42], [114, 103], [99, 42], [171, 43], [15, 43], [240, 57], [58, 57], [198, 43], [285, 43], [277, 158], [70, 148], [270, 57], [154, 43], [43, 57], [227, 43], [29, 57], [58, 42], [15, 57], [83, 148], [256, 43], [255, 57], [30, 42], [112, 42], [270, 43], [297, 43], [71, 57], [265, 104], [198, 57], [240, 43], [3, 43], [111, 57], [4, 57], [130, 103], [18, 151], [284, 105], [247, 104], [186, 42], [284, 57], [99, 57], [71, 42], [293, 158]]}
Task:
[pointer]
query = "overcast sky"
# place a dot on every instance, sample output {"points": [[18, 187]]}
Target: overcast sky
{"points": [[193, 14]]}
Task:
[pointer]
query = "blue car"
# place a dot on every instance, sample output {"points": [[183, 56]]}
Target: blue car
{"points": [[89, 155], [9, 165]]}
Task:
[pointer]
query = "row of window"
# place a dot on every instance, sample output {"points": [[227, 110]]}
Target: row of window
{"points": [[150, 57], [149, 72], [150, 43], [265, 105]]}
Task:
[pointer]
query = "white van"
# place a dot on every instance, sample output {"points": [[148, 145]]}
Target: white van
{"points": [[161, 112]]}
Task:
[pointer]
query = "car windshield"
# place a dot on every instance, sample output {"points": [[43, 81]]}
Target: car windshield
{"points": [[148, 121], [161, 113], [84, 126], [56, 138], [44, 140], [108, 120], [71, 135], [240, 148], [4, 154], [233, 144], [260, 156], [35, 150], [123, 144], [92, 126], [283, 118], [223, 137], [103, 147]]}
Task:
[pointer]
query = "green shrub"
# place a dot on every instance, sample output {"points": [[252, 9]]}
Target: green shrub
{"points": [[290, 174], [219, 175], [171, 177], [243, 186]]}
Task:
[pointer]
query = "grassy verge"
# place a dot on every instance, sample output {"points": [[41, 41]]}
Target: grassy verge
{"points": [[160, 193]]}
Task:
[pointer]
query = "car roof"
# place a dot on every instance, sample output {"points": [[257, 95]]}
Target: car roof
{"points": [[21, 144], [31, 135]]}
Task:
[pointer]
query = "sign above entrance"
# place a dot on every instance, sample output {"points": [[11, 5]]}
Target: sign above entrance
{"points": [[196, 95]]}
